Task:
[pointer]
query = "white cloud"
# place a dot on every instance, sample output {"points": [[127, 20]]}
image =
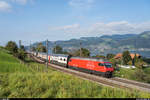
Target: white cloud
{"points": [[81, 3], [22, 2], [101, 28], [66, 27], [120, 27], [4, 6], [79, 8]]}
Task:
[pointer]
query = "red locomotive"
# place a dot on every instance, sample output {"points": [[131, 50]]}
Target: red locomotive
{"points": [[95, 66]]}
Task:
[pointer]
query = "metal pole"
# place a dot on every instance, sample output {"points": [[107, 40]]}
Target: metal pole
{"points": [[80, 49], [135, 53], [47, 53], [52, 54], [30, 47], [20, 44], [30, 50], [135, 47], [55, 47]]}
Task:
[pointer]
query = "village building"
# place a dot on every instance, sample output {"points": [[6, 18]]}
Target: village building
{"points": [[119, 55]]}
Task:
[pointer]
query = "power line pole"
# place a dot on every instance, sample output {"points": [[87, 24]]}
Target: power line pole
{"points": [[133, 60], [55, 47], [80, 49], [30, 50], [30, 47], [51, 54], [47, 53], [135, 46], [20, 44]]}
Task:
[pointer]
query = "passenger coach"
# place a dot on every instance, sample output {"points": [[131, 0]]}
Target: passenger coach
{"points": [[59, 59]]}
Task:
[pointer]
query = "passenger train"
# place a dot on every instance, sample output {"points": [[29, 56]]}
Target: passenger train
{"points": [[95, 66]]}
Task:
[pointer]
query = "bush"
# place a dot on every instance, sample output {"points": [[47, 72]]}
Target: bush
{"points": [[21, 54], [12, 47], [147, 79], [84, 52], [140, 75], [110, 56], [41, 48], [126, 57]]}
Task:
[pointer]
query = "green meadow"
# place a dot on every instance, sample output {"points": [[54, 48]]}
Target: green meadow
{"points": [[31, 80]]}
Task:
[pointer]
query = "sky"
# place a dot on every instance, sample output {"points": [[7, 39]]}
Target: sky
{"points": [[38, 20]]}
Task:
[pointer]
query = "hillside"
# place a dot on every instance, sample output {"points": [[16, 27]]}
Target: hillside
{"points": [[139, 41], [18, 79], [109, 44]]}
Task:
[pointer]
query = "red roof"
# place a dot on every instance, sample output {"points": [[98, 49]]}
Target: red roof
{"points": [[119, 55]]}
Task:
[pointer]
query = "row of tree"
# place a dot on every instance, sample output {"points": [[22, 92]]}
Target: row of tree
{"points": [[17, 52], [125, 60], [59, 50], [84, 52], [41, 48]]}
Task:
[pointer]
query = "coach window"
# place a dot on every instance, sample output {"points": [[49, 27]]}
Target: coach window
{"points": [[101, 64], [64, 59], [60, 58]]}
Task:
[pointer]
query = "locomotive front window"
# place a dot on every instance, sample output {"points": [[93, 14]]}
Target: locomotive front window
{"points": [[101, 64], [108, 65]]}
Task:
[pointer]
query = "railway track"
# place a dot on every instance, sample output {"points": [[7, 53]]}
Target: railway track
{"points": [[135, 84], [111, 82]]}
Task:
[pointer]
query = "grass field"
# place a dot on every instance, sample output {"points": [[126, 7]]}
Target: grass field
{"points": [[29, 79], [130, 74]]}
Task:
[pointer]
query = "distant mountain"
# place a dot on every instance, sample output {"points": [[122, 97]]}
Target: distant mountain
{"points": [[108, 43], [145, 34], [118, 37], [139, 41]]}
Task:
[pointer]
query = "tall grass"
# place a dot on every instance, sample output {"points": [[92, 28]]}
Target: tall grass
{"points": [[124, 73], [10, 64], [130, 74], [31, 80], [59, 85]]}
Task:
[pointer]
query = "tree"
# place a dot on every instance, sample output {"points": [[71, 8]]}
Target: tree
{"points": [[22, 47], [126, 57], [100, 56], [140, 75], [65, 52], [41, 48], [21, 54], [85, 52], [33, 49], [12, 47], [139, 63], [57, 50], [134, 60], [110, 56]]}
